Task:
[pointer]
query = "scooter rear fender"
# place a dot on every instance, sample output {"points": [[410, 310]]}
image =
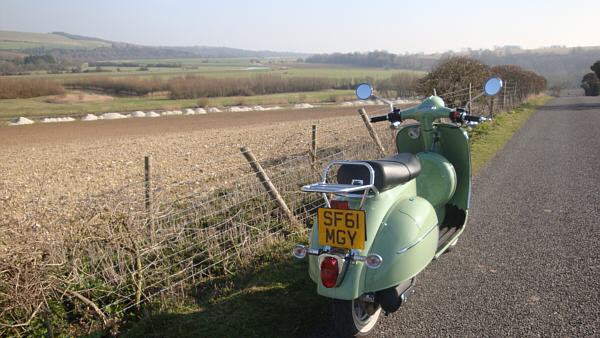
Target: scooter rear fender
{"points": [[401, 228]]}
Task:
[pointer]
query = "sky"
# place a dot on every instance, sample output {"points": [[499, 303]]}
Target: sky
{"points": [[316, 26]]}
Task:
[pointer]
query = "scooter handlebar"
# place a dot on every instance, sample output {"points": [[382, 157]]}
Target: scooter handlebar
{"points": [[392, 117], [462, 116], [379, 118], [472, 118]]}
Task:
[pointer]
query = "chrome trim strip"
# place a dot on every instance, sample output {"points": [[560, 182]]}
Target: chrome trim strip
{"points": [[419, 240]]}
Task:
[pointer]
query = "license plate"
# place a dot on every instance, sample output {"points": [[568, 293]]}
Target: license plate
{"points": [[340, 228]]}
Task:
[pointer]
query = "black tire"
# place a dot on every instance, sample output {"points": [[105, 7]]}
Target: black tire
{"points": [[354, 318]]}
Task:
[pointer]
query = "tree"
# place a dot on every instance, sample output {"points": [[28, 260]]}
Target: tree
{"points": [[452, 76], [591, 84], [596, 68]]}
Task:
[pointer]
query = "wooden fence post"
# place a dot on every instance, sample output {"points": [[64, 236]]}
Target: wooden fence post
{"points": [[372, 132], [470, 97], [268, 185], [313, 149], [148, 183], [504, 96], [148, 196]]}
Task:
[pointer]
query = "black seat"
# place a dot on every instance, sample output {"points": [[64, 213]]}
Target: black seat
{"points": [[389, 171]]}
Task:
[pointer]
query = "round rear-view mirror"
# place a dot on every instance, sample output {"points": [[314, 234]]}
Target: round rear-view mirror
{"points": [[492, 86], [364, 91]]}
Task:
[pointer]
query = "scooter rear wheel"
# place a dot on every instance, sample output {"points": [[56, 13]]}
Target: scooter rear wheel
{"points": [[355, 317]]}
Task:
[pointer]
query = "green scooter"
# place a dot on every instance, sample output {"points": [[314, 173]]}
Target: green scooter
{"points": [[385, 220]]}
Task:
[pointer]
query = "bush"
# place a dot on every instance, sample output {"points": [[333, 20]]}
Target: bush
{"points": [[454, 74], [528, 82], [591, 84], [190, 86], [118, 86], [26, 88], [202, 102]]}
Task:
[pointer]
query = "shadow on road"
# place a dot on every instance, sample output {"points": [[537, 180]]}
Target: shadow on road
{"points": [[574, 107]]}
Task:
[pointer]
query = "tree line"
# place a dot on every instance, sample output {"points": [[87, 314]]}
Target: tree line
{"points": [[559, 68]]}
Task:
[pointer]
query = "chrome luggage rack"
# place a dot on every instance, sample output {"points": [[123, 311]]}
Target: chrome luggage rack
{"points": [[344, 189]]}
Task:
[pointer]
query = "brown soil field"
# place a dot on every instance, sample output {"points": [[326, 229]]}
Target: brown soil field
{"points": [[56, 133], [46, 168], [73, 209]]}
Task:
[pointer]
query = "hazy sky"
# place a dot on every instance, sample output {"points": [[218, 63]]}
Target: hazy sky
{"points": [[316, 25]]}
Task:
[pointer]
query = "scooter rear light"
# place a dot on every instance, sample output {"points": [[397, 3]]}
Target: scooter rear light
{"points": [[329, 272], [339, 204]]}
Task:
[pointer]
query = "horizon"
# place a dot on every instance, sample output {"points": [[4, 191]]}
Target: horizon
{"points": [[273, 26]]}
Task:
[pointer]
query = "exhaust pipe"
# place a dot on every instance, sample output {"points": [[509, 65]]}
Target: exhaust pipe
{"points": [[392, 298]]}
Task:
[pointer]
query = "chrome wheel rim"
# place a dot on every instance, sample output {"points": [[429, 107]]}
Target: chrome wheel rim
{"points": [[363, 320]]}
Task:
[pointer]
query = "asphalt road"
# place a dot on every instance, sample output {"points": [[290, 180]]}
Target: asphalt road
{"points": [[529, 262]]}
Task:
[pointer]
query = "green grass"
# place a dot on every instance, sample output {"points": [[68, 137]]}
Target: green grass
{"points": [[39, 107], [275, 297], [488, 138]]}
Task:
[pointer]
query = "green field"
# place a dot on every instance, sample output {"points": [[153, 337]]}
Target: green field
{"points": [[228, 68]]}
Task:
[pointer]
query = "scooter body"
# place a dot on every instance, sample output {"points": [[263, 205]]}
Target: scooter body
{"points": [[386, 220]]}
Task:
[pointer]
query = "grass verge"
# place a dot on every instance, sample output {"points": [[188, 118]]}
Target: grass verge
{"points": [[40, 107], [274, 296]]}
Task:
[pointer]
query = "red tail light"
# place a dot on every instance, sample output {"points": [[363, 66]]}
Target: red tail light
{"points": [[339, 204], [329, 272]]}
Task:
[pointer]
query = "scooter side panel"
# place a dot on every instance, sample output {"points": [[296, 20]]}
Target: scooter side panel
{"points": [[454, 146], [407, 241]]}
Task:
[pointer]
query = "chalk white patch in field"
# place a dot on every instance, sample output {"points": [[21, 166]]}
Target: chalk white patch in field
{"points": [[152, 114], [303, 106], [214, 110], [19, 121], [89, 117], [200, 111], [112, 116], [138, 114], [57, 119], [236, 109]]}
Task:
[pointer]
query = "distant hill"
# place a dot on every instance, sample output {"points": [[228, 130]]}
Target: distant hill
{"points": [[16, 41], [84, 48]]}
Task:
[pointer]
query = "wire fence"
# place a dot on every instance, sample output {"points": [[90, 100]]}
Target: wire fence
{"points": [[116, 251]]}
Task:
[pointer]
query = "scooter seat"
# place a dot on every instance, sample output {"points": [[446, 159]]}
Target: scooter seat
{"points": [[389, 172]]}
